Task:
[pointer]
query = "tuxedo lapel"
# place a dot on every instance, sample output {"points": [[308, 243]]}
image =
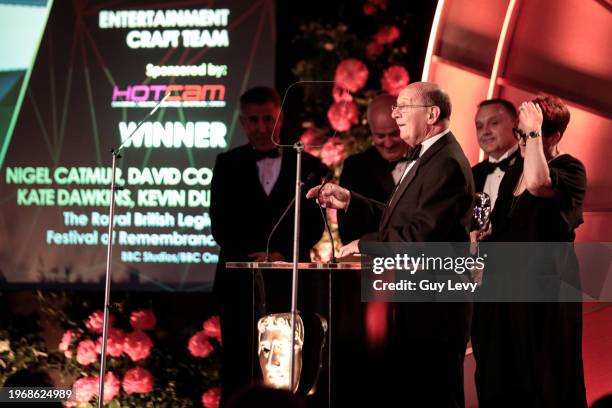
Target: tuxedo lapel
{"points": [[412, 173], [253, 174], [395, 196], [284, 173], [480, 176]]}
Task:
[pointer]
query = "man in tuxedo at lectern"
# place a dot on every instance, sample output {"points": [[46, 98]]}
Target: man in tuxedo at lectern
{"points": [[252, 185], [432, 203], [374, 174]]}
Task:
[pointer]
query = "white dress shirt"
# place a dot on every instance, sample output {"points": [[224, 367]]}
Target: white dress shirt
{"points": [[398, 171], [493, 180], [268, 170]]}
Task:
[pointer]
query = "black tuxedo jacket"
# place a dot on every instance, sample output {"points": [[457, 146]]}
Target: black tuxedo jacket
{"points": [[368, 174], [433, 203], [480, 175], [243, 215]]}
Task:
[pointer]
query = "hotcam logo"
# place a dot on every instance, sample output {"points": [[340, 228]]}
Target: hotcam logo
{"points": [[181, 96]]}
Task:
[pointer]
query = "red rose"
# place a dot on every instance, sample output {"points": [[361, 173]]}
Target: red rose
{"points": [[137, 345], [138, 380], [199, 346], [341, 94], [351, 74], [311, 142], [85, 389], [95, 321], [309, 137], [394, 79], [373, 50], [210, 399], [342, 116], [387, 35], [212, 328], [143, 319], [114, 342], [333, 151], [86, 352], [369, 9], [112, 386], [67, 338]]}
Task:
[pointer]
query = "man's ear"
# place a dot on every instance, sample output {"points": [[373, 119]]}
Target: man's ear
{"points": [[433, 114]]}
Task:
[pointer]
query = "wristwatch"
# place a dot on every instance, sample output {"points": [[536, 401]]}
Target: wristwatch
{"points": [[533, 134]]}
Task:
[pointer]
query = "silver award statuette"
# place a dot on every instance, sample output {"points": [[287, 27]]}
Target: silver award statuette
{"points": [[482, 211], [482, 214]]}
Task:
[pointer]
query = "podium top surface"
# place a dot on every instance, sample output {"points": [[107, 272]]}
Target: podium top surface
{"points": [[289, 265]]}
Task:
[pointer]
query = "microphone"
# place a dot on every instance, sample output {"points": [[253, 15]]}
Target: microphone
{"points": [[312, 179], [328, 177], [159, 104]]}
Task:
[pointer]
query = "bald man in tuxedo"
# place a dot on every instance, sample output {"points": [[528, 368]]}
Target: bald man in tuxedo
{"points": [[433, 202], [373, 173]]}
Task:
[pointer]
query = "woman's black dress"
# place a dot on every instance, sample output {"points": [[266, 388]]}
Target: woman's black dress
{"points": [[529, 354]]}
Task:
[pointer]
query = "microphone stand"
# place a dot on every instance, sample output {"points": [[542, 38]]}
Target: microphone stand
{"points": [[299, 149], [109, 250]]}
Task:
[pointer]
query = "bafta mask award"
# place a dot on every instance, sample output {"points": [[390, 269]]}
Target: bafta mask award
{"points": [[482, 211], [275, 350], [482, 214]]}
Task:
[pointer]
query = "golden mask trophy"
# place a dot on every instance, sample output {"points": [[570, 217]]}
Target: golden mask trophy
{"points": [[275, 352]]}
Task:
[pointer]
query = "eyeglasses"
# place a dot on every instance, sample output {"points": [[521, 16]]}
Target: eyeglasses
{"points": [[402, 107]]}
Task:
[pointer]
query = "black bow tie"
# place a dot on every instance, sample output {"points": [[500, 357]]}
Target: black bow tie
{"points": [[502, 165], [274, 153], [412, 155]]}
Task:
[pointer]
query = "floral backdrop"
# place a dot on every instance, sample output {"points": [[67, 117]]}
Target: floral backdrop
{"points": [[363, 60], [147, 364]]}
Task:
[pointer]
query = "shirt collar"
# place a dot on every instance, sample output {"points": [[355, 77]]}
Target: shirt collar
{"points": [[505, 155], [426, 144]]}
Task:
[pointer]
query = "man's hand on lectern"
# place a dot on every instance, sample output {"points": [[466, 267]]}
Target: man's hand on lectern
{"points": [[349, 249], [331, 196]]}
